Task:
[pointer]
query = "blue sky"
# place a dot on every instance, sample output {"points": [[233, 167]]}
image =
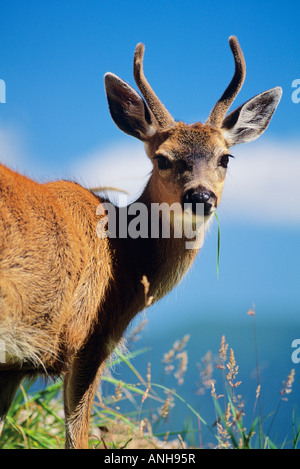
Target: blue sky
{"points": [[54, 54], [55, 122]]}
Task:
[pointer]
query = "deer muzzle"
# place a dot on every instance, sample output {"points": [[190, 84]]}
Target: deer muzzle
{"points": [[194, 197]]}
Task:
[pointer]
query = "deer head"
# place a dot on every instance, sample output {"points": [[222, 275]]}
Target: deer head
{"points": [[189, 160]]}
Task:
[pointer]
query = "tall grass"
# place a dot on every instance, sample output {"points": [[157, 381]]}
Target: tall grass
{"points": [[35, 419]]}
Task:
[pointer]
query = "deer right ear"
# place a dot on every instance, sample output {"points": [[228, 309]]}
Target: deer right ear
{"points": [[128, 110], [251, 119]]}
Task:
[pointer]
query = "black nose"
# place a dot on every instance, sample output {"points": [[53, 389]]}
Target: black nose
{"points": [[205, 197]]}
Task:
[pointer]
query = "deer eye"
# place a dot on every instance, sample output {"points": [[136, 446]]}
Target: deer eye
{"points": [[163, 162], [224, 160]]}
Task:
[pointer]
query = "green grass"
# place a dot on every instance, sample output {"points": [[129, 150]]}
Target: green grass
{"points": [[35, 420], [218, 244]]}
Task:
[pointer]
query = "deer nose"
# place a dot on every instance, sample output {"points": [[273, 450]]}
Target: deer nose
{"points": [[205, 197]]}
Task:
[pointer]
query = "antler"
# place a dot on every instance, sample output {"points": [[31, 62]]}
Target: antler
{"points": [[220, 109], [164, 119]]}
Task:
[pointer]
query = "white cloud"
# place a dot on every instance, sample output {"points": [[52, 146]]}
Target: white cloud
{"points": [[263, 181], [262, 184], [12, 147], [124, 166]]}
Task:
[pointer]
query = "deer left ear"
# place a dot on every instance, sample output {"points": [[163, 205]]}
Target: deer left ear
{"points": [[251, 119], [128, 110]]}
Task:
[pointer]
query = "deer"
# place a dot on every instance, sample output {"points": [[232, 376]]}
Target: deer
{"points": [[67, 294]]}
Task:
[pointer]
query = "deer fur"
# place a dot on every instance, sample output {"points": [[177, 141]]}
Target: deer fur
{"points": [[67, 294]]}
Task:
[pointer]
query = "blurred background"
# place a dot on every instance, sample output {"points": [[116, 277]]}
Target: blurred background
{"points": [[55, 123]]}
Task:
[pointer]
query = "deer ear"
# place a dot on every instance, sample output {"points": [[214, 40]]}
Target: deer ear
{"points": [[128, 110], [251, 119]]}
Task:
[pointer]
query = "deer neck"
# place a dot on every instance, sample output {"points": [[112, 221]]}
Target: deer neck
{"points": [[153, 252]]}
